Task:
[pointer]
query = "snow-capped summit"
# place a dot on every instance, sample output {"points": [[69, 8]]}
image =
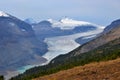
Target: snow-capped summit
{"points": [[74, 22], [67, 23], [3, 14]]}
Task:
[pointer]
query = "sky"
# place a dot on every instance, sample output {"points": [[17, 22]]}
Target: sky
{"points": [[101, 12]]}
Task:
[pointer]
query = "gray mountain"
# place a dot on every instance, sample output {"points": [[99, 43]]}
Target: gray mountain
{"points": [[18, 44]]}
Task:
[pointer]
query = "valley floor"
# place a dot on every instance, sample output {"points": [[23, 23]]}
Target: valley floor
{"points": [[109, 70]]}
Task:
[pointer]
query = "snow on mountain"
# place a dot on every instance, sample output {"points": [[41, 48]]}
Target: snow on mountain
{"points": [[67, 23], [3, 14]]}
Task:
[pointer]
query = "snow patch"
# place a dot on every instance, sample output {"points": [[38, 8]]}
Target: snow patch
{"points": [[3, 14]]}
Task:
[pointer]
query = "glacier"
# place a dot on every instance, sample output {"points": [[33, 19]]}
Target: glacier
{"points": [[64, 44]]}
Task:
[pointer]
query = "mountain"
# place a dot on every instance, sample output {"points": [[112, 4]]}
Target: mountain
{"points": [[105, 47], [18, 44], [26, 43], [65, 32]]}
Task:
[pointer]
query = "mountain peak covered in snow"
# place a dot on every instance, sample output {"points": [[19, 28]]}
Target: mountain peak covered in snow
{"points": [[71, 21], [3, 14], [67, 23]]}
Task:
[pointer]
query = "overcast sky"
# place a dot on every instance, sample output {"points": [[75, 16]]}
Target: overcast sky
{"points": [[96, 11]]}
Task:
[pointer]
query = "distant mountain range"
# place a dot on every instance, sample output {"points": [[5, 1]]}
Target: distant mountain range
{"points": [[102, 48]]}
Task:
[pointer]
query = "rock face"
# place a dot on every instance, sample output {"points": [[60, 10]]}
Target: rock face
{"points": [[18, 44]]}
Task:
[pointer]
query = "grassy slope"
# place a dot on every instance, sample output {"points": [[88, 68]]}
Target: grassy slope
{"points": [[108, 70]]}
